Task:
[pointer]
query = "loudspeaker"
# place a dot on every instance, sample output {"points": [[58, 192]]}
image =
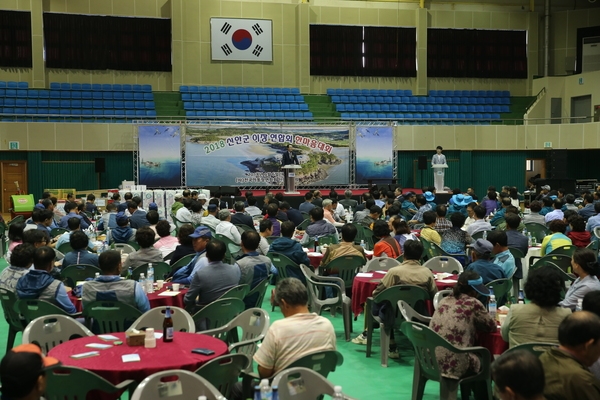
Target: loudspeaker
{"points": [[557, 164], [100, 165], [422, 162]]}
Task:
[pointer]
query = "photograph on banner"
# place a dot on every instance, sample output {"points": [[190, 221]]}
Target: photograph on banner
{"points": [[374, 153], [159, 155], [241, 155]]}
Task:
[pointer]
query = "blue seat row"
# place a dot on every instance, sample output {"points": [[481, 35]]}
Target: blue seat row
{"points": [[237, 90], [43, 103], [420, 108], [419, 100], [274, 116], [470, 93], [257, 98], [368, 92], [434, 116], [100, 87], [78, 112], [68, 94], [13, 85], [209, 105]]}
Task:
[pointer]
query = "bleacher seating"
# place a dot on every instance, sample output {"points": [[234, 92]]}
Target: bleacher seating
{"points": [[448, 107], [237, 102], [66, 102]]}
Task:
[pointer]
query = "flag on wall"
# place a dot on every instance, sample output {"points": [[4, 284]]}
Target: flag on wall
{"points": [[241, 39]]}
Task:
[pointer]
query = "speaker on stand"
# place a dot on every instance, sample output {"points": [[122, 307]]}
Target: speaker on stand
{"points": [[422, 164], [99, 167]]}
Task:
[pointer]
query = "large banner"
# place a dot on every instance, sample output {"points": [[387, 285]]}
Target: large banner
{"points": [[374, 150], [159, 155], [238, 155], [241, 39]]}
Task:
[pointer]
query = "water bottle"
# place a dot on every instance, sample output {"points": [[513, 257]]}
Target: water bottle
{"points": [[579, 305], [529, 239], [525, 231], [129, 272], [150, 278], [142, 282], [337, 393], [108, 235], [533, 240], [96, 275], [265, 390], [201, 397], [492, 307], [484, 236], [362, 244], [257, 392]]}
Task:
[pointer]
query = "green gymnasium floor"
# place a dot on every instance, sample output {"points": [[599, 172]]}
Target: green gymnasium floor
{"points": [[360, 377]]}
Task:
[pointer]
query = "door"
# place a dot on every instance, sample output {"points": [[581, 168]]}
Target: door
{"points": [[581, 107], [13, 173]]}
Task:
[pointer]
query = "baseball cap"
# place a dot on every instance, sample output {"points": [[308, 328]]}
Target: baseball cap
{"points": [[20, 369], [40, 206], [202, 196], [121, 217], [546, 187], [201, 231], [479, 287], [153, 206], [483, 246], [212, 207], [408, 194], [178, 196]]}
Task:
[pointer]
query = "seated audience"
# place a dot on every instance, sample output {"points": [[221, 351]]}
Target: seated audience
{"points": [[80, 254], [586, 267], [241, 217], [538, 320], [212, 280], [197, 212], [501, 253], [578, 235], [15, 238], [183, 214], [109, 285], [345, 248], [556, 212], [423, 207], [518, 375], [534, 216], [72, 211], [21, 260], [386, 246], [479, 224], [516, 240], [185, 246], [566, 367], [153, 218], [369, 220], [147, 253], [254, 268], [364, 209], [458, 319], [401, 230], [252, 209], [265, 230], [108, 219], [589, 209], [39, 284], [593, 221], [547, 206], [455, 240], [74, 225], [211, 219], [272, 210], [490, 204], [498, 217], [167, 243], [307, 205], [318, 226], [200, 238], [138, 216], [591, 303], [290, 248], [227, 229], [123, 233], [482, 264], [441, 222], [427, 232], [557, 238]]}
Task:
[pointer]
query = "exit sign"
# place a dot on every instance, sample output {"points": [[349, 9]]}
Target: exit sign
{"points": [[547, 144], [13, 145], [581, 81]]}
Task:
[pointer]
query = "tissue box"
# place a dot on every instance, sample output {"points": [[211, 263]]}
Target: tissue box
{"points": [[135, 338]]}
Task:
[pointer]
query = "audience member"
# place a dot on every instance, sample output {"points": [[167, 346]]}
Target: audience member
{"points": [[211, 219], [588, 209], [427, 232], [80, 254], [479, 224], [502, 255], [252, 209], [138, 216], [498, 217], [272, 210], [185, 246], [227, 229], [401, 230], [441, 222], [147, 253], [557, 238], [307, 205], [167, 243], [455, 240], [482, 264], [292, 214], [200, 238], [241, 217], [184, 214], [108, 219], [516, 240], [318, 227], [290, 248], [556, 213], [369, 220], [71, 211], [424, 206], [386, 246], [578, 235], [265, 230], [534, 216], [490, 203], [593, 221], [518, 375], [585, 265], [21, 260], [345, 248], [591, 303], [348, 202], [254, 268], [123, 233]]}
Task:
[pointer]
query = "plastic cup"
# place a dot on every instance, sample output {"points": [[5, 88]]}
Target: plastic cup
{"points": [[176, 287], [159, 284]]}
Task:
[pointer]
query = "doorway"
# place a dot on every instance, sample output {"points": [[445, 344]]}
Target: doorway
{"points": [[533, 168], [14, 177], [581, 106]]}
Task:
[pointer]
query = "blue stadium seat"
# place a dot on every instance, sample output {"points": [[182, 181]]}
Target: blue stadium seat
{"points": [[266, 107], [262, 98], [420, 107], [340, 107], [129, 105], [504, 109], [243, 98], [147, 88], [75, 95], [352, 107], [276, 106], [398, 107], [85, 104], [227, 106], [294, 107], [149, 105], [385, 107], [376, 108], [31, 111], [97, 103], [268, 90], [279, 116], [218, 106], [345, 116], [31, 103], [136, 88], [75, 103], [367, 107], [139, 105], [471, 109], [21, 103], [506, 100], [86, 95], [54, 86], [269, 115]]}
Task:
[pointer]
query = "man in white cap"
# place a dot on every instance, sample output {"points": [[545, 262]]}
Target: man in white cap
{"points": [[178, 203], [202, 199], [543, 192]]}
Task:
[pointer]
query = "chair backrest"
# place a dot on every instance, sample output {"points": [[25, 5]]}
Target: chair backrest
{"points": [[428, 250], [282, 263], [192, 386], [236, 292], [8, 300], [183, 261], [538, 231], [110, 316], [78, 272], [315, 285], [516, 253], [232, 249], [18, 218], [65, 248], [536, 348], [439, 296], [51, 330], [594, 245], [313, 384], [328, 240], [217, 314], [444, 264], [380, 264], [501, 288], [561, 261], [364, 233], [322, 362], [257, 293], [347, 266], [410, 314], [161, 270], [566, 250], [72, 383], [58, 231], [223, 372], [123, 247], [154, 318], [245, 228], [31, 309], [479, 235]]}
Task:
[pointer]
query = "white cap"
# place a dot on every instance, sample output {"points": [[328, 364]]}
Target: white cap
{"points": [[337, 389]]}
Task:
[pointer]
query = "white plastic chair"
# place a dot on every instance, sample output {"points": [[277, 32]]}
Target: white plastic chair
{"points": [[51, 330], [192, 386], [439, 296], [314, 385], [124, 247], [444, 264], [153, 318], [410, 314], [380, 264]]}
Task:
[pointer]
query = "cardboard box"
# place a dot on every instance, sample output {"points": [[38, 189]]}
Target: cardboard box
{"points": [[135, 338]]}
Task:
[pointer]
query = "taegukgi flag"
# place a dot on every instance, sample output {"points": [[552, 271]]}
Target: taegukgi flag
{"points": [[241, 39]]}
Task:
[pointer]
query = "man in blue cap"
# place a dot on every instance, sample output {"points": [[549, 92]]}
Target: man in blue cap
{"points": [[200, 239], [123, 233]]}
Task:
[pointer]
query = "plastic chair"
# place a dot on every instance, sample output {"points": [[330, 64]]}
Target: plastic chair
{"points": [[381, 264], [538, 231], [365, 234], [161, 269], [411, 294], [516, 253], [347, 267], [315, 385], [110, 316], [223, 372], [58, 231], [501, 288], [51, 330], [428, 250], [154, 318], [425, 342], [123, 247], [217, 314], [31, 309], [65, 248], [236, 292], [439, 296], [134, 245], [317, 282], [192, 386], [12, 317], [283, 263], [67, 383], [410, 314], [536, 348], [444, 264], [183, 261], [328, 240], [567, 250], [77, 273], [479, 235], [258, 293], [560, 261], [232, 249]]}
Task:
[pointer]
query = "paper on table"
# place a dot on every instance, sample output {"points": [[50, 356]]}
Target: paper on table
{"points": [[169, 293], [448, 280], [381, 272], [364, 275], [369, 252], [305, 249], [130, 357], [158, 335], [84, 355], [314, 254], [108, 337], [98, 346]]}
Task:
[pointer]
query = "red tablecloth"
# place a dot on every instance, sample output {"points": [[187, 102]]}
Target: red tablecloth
{"points": [[315, 259], [109, 365], [493, 342], [362, 288], [154, 299]]}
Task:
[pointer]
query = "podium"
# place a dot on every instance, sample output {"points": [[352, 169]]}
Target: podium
{"points": [[438, 176], [290, 178]]}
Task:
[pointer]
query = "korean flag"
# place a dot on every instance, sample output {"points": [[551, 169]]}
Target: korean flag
{"points": [[241, 39]]}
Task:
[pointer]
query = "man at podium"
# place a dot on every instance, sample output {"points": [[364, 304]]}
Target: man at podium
{"points": [[289, 157], [438, 173]]}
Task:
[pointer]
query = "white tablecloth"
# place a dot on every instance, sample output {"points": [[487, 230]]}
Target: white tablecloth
{"points": [[533, 252]]}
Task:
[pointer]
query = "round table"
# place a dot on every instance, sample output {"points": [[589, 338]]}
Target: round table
{"points": [[315, 258], [109, 365], [492, 341]]}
